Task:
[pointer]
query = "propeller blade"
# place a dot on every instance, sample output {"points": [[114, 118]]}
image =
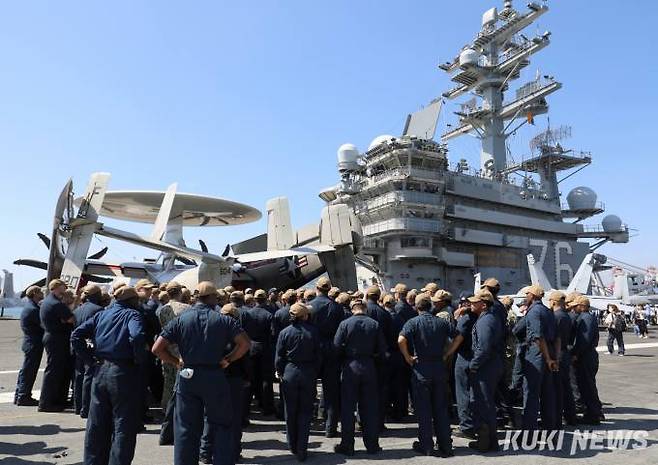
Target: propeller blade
{"points": [[227, 250], [203, 245], [186, 261], [33, 263], [45, 239], [98, 255]]}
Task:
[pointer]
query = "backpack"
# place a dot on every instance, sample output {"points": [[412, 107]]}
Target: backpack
{"points": [[620, 323]]}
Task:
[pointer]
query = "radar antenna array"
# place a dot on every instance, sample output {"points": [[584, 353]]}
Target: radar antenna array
{"points": [[550, 137]]}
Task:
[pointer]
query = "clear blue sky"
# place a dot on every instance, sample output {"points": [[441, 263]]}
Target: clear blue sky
{"points": [[250, 100]]}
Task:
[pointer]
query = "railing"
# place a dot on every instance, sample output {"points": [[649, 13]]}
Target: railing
{"points": [[403, 224]]}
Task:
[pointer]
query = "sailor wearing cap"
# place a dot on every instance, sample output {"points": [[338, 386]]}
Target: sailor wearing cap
{"points": [[298, 353], [57, 322], [541, 334], [402, 307], [442, 301], [564, 405], [381, 316], [168, 312], [84, 373], [462, 343], [237, 374], [326, 315], [358, 342], [32, 348], [202, 334], [119, 347], [281, 317], [421, 342], [257, 323], [586, 359], [485, 369], [399, 372]]}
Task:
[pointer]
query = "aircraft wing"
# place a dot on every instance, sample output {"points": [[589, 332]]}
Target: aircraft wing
{"points": [[293, 252], [156, 244]]}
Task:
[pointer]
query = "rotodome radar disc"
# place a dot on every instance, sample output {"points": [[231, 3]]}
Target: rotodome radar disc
{"points": [[195, 210]]}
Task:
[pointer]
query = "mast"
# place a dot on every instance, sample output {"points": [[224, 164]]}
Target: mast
{"points": [[485, 67]]}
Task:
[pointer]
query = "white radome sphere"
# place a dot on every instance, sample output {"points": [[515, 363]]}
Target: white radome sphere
{"points": [[379, 139], [348, 153], [582, 198], [469, 57], [611, 223]]}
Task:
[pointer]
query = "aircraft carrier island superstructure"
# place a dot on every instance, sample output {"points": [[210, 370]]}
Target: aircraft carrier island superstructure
{"points": [[427, 220]]}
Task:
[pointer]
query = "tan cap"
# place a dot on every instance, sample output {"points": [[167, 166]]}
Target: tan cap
{"points": [[357, 295], [229, 309], [206, 288], [144, 284], [400, 288], [579, 300], [570, 296], [324, 284], [309, 294], [229, 289], [55, 283], [506, 301], [441, 295], [343, 298], [162, 296], [355, 302], [388, 299], [236, 295], [334, 291], [412, 293], [431, 288], [373, 291], [163, 286], [556, 296], [171, 285], [535, 290], [91, 289], [483, 295], [32, 291], [125, 293], [117, 285], [422, 298], [299, 310], [491, 282], [260, 294]]}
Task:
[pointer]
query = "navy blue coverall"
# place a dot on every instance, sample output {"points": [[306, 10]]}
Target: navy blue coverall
{"points": [[119, 350], [462, 380], [84, 372], [426, 336], [381, 316], [565, 406], [403, 308], [400, 372], [202, 335], [358, 341], [586, 364], [280, 321], [485, 369], [535, 371], [32, 351], [257, 323], [297, 360], [326, 315], [59, 362]]}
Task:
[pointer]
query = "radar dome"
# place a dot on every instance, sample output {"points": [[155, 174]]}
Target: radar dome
{"points": [[469, 57], [379, 139], [611, 223], [581, 198], [348, 155]]}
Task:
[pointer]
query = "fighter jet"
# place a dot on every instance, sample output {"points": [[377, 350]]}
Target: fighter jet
{"points": [[281, 258]]}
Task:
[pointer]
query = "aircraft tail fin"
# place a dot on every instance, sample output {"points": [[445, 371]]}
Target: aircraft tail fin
{"points": [[336, 228], [164, 214], [582, 279], [621, 290], [537, 274], [280, 234], [82, 229], [8, 285]]}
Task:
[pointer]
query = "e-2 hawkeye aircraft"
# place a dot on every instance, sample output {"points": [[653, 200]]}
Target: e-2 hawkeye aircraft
{"points": [[282, 258]]}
